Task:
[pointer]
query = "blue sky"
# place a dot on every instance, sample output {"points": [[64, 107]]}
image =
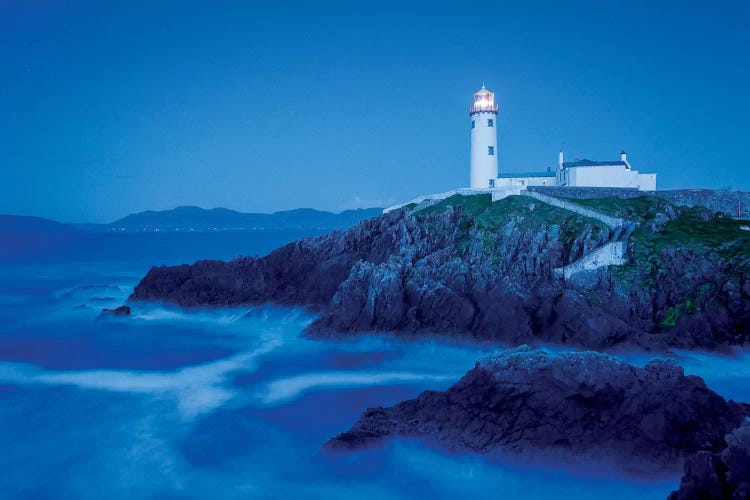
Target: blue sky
{"points": [[108, 108]]}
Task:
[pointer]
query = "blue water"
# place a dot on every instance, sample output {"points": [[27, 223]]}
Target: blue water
{"points": [[232, 403]]}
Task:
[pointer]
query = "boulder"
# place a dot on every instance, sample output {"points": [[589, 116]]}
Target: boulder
{"points": [[723, 475], [581, 403], [117, 311]]}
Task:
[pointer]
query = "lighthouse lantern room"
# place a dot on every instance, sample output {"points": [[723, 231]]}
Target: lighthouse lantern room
{"points": [[483, 114]]}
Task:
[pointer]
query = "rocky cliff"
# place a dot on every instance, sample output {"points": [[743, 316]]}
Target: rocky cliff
{"points": [[467, 266], [576, 403], [724, 475]]}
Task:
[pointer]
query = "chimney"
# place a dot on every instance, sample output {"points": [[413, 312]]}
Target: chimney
{"points": [[560, 160], [624, 158]]}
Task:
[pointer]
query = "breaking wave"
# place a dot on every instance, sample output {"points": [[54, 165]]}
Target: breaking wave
{"points": [[196, 389], [289, 388]]}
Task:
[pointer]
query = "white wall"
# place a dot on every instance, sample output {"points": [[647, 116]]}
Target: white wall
{"points": [[523, 182], [620, 177], [647, 182], [483, 165], [600, 177]]}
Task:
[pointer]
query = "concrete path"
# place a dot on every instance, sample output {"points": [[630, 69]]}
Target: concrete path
{"points": [[612, 222], [611, 254]]}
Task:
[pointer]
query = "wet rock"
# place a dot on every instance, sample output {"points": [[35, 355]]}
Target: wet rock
{"points": [[722, 475], [118, 311], [478, 269], [576, 403]]}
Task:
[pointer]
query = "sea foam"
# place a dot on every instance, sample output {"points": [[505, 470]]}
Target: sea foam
{"points": [[196, 389], [288, 388]]}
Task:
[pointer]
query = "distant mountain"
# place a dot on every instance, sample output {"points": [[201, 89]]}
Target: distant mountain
{"points": [[23, 237], [22, 224], [189, 218]]}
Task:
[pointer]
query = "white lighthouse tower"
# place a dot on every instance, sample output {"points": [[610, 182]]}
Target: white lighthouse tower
{"points": [[483, 114]]}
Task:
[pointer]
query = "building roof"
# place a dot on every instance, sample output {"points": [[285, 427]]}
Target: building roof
{"points": [[591, 163], [483, 91], [520, 175]]}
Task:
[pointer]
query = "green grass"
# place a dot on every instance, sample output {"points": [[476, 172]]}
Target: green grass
{"points": [[631, 208], [694, 228], [488, 218], [673, 313], [472, 204], [690, 231]]}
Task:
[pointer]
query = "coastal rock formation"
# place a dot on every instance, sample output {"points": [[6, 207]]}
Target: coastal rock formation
{"points": [[470, 267], [574, 403], [724, 475], [117, 311]]}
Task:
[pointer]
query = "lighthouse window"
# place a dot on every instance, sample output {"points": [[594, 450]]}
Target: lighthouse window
{"points": [[472, 123], [491, 150], [490, 122]]}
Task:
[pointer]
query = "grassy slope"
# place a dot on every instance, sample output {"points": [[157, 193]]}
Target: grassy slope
{"points": [[693, 229], [661, 230], [486, 216]]}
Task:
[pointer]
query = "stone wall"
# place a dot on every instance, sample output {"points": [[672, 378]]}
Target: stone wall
{"points": [[713, 199], [612, 222], [727, 202], [431, 199]]}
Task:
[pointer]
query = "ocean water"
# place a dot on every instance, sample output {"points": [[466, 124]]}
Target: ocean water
{"points": [[234, 403]]}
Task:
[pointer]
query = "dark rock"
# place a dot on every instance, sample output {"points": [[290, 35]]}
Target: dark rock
{"points": [[474, 268], [722, 475], [736, 457], [118, 311], [576, 403], [705, 477]]}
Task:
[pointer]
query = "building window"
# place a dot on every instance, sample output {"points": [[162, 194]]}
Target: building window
{"points": [[492, 183], [472, 124], [491, 150], [491, 122]]}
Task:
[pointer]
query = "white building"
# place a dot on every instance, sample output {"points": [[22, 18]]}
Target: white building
{"points": [[580, 173], [588, 173], [485, 178], [524, 180], [483, 114]]}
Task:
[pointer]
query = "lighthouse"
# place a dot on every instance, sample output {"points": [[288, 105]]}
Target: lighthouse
{"points": [[483, 114]]}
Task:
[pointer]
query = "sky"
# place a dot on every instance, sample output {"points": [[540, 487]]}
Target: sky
{"points": [[109, 108]]}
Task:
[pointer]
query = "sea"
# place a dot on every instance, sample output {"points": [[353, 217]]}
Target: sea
{"points": [[235, 402]]}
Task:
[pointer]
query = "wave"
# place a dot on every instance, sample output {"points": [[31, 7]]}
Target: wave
{"points": [[289, 388], [196, 389], [516, 475], [219, 315]]}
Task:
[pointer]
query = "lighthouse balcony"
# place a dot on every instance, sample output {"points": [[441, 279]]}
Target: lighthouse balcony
{"points": [[483, 108]]}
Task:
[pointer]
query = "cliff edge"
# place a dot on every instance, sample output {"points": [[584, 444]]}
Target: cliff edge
{"points": [[470, 267]]}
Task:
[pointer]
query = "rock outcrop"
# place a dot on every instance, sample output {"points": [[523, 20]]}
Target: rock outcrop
{"points": [[724, 475], [117, 311], [470, 267], [584, 403]]}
